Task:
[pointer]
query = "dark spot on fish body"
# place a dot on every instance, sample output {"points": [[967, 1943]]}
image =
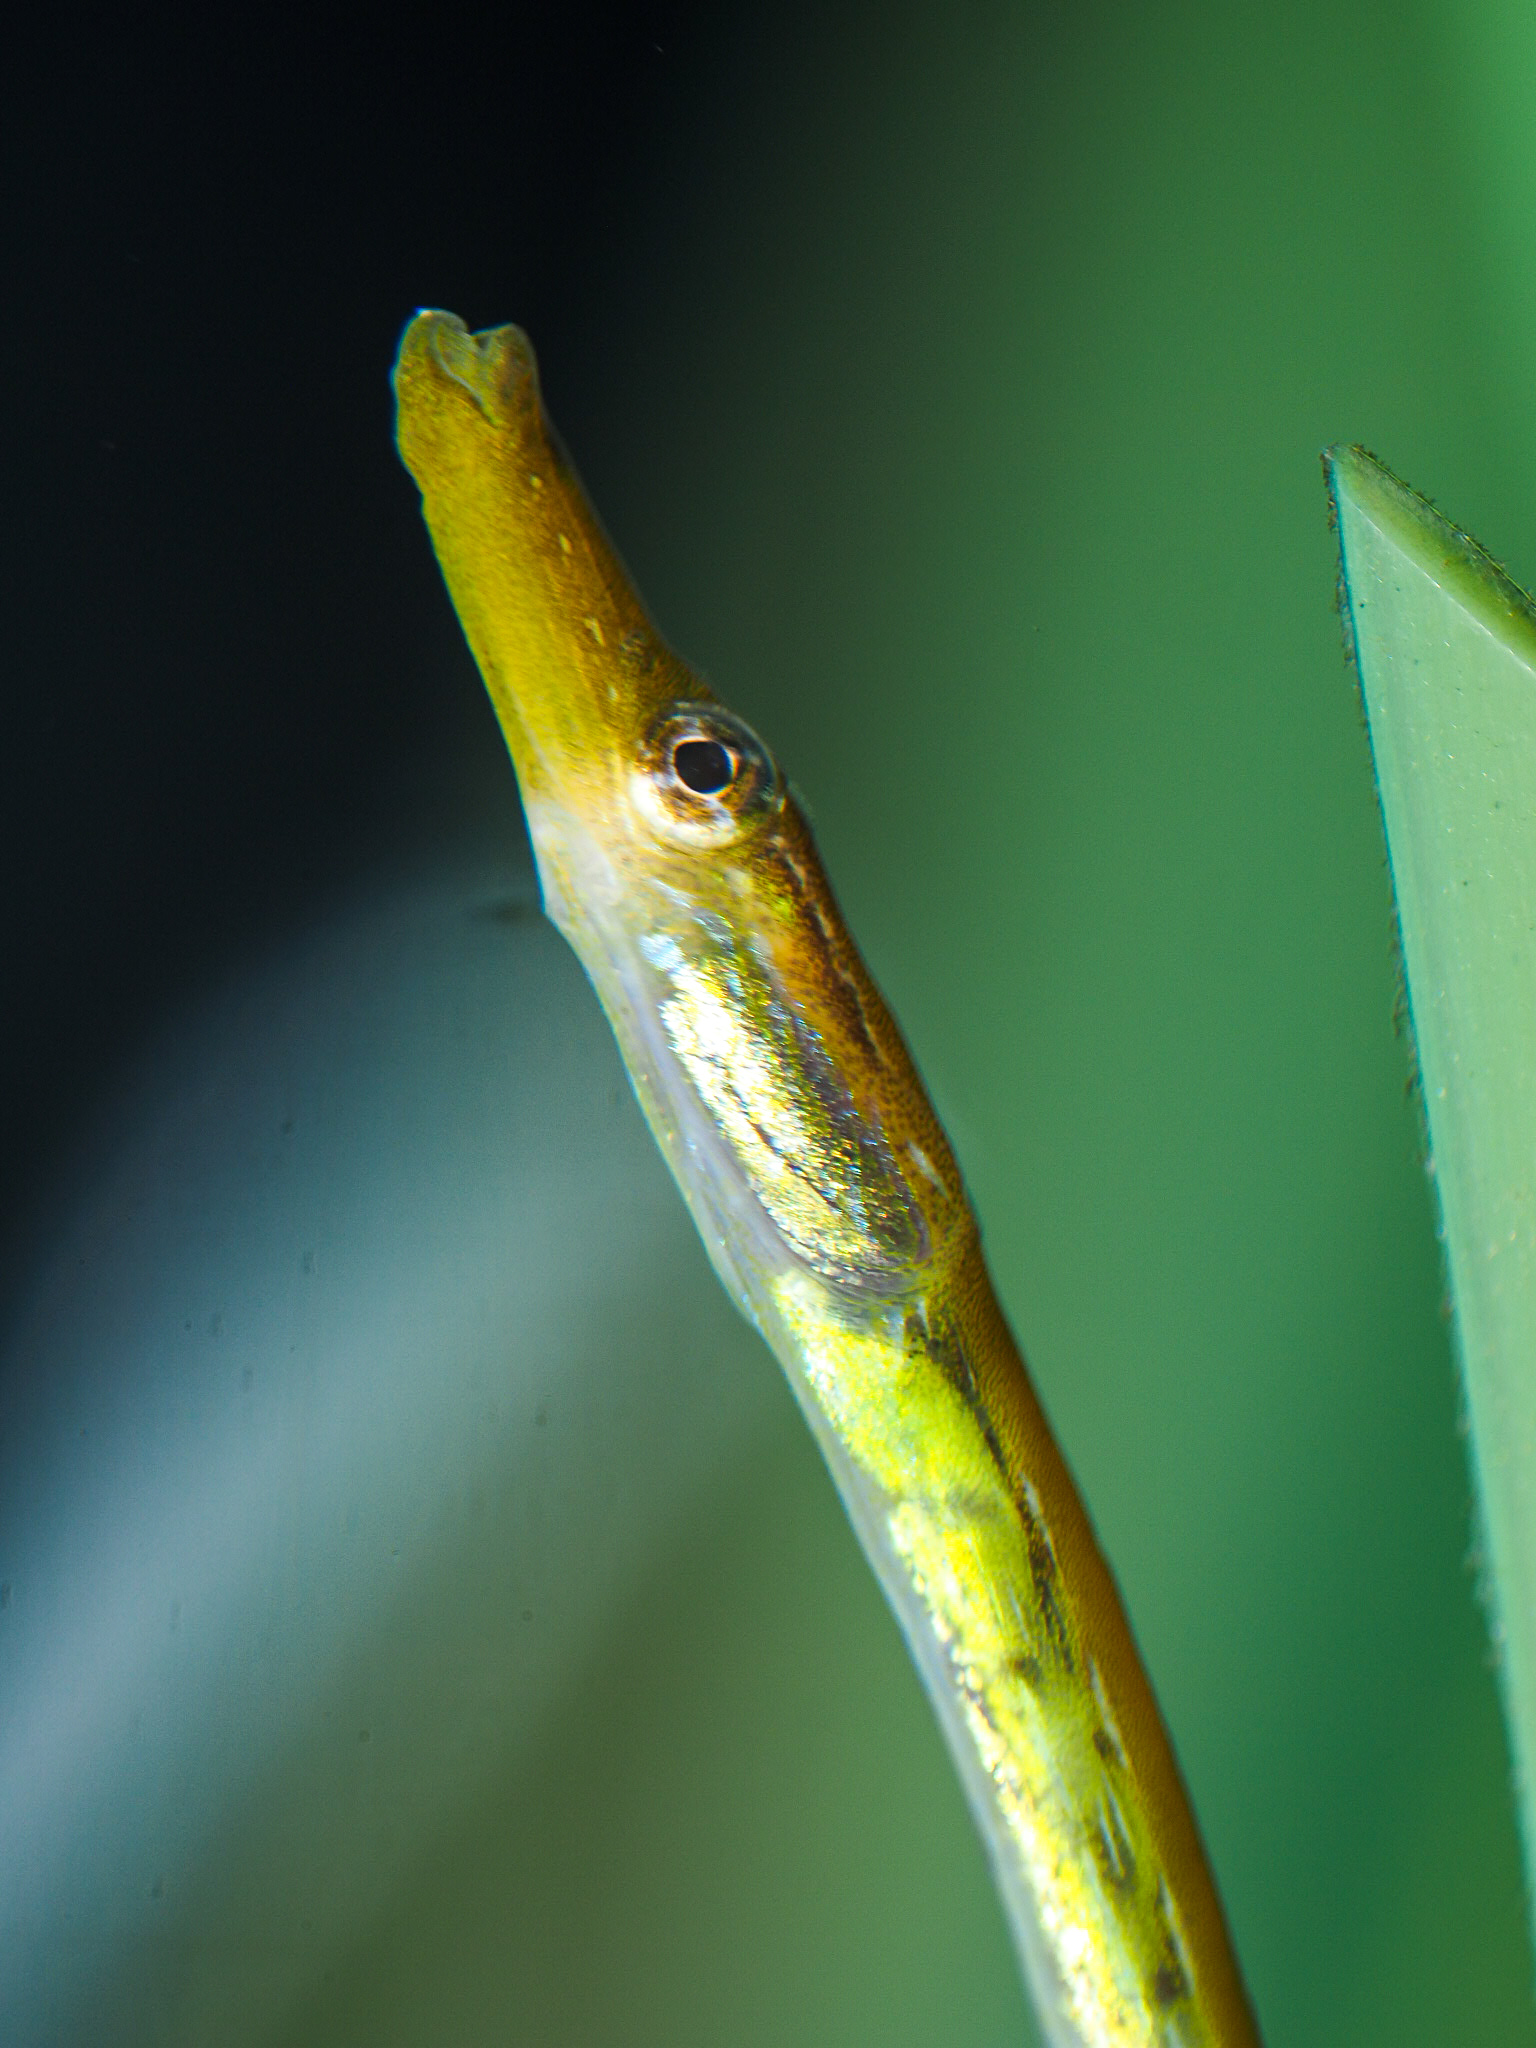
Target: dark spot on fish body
{"points": [[811, 897], [1045, 1575], [1169, 1985], [1171, 1981], [1109, 1750], [1025, 1665], [938, 1338], [935, 1336], [1112, 1844]]}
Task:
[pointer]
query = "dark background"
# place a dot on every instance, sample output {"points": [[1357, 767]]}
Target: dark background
{"points": [[954, 380], [218, 606]]}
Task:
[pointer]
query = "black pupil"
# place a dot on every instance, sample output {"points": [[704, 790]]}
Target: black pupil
{"points": [[704, 765]]}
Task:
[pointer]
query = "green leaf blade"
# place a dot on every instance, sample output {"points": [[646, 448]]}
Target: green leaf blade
{"points": [[1445, 648]]}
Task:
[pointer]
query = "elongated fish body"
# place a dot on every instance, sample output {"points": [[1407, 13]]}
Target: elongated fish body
{"points": [[676, 862]]}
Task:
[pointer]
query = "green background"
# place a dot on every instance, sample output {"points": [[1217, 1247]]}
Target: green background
{"points": [[1026, 341], [955, 390]]}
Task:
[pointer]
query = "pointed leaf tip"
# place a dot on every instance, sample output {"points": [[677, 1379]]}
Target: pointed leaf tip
{"points": [[1445, 649]]}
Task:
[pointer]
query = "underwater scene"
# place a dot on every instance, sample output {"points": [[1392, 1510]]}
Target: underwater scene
{"points": [[425, 1616]]}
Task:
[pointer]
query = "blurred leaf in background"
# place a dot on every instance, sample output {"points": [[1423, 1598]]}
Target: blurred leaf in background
{"points": [[953, 380]]}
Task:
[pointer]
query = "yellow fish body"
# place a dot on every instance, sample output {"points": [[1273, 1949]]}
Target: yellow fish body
{"points": [[675, 860]]}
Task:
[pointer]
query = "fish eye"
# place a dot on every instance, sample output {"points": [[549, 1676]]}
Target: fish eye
{"points": [[704, 766], [703, 777]]}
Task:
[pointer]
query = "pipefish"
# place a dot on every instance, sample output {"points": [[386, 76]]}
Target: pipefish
{"points": [[674, 858]]}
